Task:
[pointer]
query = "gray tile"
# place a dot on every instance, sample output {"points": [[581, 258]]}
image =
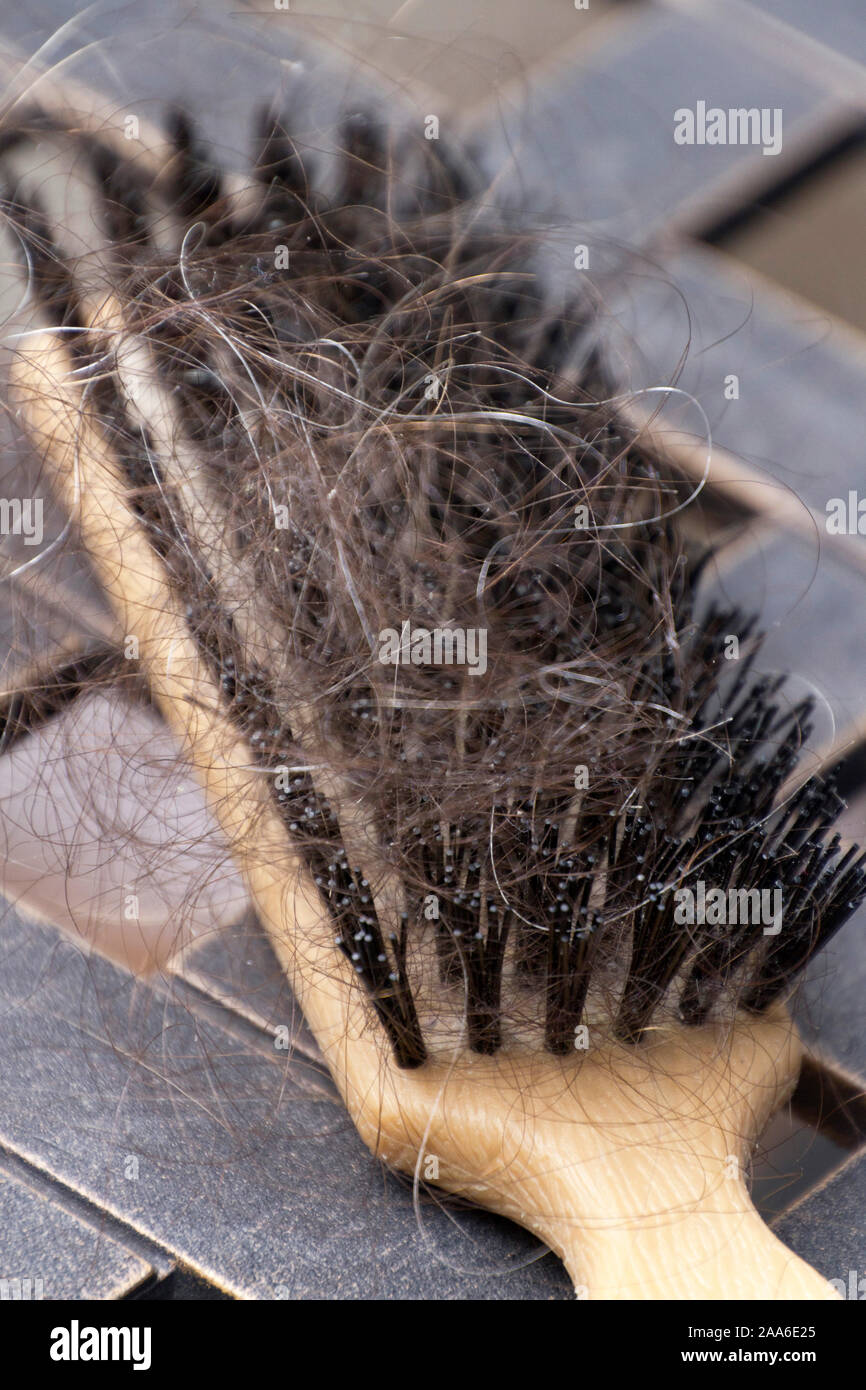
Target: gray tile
{"points": [[829, 1004], [245, 1168], [237, 967], [827, 1229], [592, 142], [47, 1252], [799, 419], [839, 24]]}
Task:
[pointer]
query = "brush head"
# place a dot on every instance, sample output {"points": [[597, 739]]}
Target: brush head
{"points": [[446, 599]]}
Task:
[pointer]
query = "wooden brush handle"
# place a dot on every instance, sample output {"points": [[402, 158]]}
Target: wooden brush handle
{"points": [[629, 1162], [726, 1253], [626, 1161], [699, 1236]]}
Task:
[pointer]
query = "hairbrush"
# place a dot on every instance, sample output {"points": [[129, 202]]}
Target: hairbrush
{"points": [[409, 588]]}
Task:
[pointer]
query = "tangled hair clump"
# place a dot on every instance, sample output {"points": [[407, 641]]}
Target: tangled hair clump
{"points": [[434, 570]]}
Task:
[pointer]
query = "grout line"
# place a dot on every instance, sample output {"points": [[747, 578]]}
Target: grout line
{"points": [[198, 996], [740, 548], [762, 496], [818, 1187], [45, 1184], [769, 290], [617, 25], [813, 135], [826, 754], [162, 1260]]}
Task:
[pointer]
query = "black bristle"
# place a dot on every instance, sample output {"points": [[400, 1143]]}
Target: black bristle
{"points": [[196, 182], [45, 266], [277, 162]]}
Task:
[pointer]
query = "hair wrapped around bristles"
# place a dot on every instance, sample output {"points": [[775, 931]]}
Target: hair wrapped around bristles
{"points": [[437, 575]]}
